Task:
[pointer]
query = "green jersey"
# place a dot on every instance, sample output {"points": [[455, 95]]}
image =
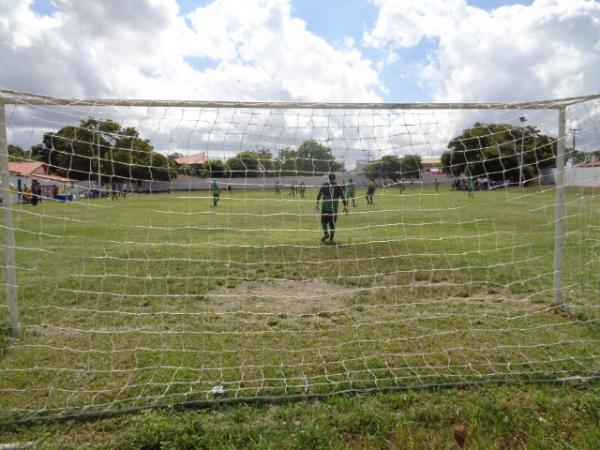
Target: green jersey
{"points": [[331, 193], [351, 190], [216, 190]]}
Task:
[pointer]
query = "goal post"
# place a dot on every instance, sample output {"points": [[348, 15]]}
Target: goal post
{"points": [[17, 98], [9, 240], [192, 252], [560, 206]]}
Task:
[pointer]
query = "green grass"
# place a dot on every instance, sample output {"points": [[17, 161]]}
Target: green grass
{"points": [[157, 299], [533, 416]]}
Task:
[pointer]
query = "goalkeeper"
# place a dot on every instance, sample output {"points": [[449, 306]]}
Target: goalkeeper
{"points": [[331, 193]]}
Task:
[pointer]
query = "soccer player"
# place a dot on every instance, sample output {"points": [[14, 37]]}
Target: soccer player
{"points": [[216, 191], [331, 193], [370, 191], [351, 192], [302, 189], [36, 192]]}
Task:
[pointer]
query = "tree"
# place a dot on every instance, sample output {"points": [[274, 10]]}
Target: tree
{"points": [[78, 153], [215, 168], [311, 158], [411, 166], [395, 168], [172, 157], [494, 151], [578, 157], [251, 164], [387, 167], [16, 153]]}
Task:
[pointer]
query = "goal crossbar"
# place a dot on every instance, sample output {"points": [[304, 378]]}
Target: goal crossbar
{"points": [[10, 97]]}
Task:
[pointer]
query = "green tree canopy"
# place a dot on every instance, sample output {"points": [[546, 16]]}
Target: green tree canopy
{"points": [[311, 158], [251, 164], [215, 168], [395, 168], [16, 153], [75, 152], [411, 166], [493, 151], [578, 157], [171, 157]]}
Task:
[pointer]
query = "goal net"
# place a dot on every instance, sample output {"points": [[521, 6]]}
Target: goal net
{"points": [[168, 253]]}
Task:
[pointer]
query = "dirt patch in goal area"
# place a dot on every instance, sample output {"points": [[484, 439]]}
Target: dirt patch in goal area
{"points": [[280, 296]]}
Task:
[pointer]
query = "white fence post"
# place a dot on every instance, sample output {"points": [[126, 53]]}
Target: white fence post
{"points": [[8, 232]]}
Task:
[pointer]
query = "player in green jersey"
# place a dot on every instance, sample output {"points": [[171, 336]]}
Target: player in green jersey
{"points": [[302, 189], [351, 192], [216, 192], [331, 193]]}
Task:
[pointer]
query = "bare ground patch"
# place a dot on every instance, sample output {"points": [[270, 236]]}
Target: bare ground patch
{"points": [[281, 296]]}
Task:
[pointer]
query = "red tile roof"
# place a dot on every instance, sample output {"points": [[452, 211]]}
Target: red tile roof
{"points": [[197, 159], [589, 164], [26, 168]]}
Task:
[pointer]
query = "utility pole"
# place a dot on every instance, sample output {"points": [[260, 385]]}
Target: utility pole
{"points": [[523, 119], [574, 131]]}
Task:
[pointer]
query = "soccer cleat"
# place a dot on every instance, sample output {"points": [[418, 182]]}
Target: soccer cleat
{"points": [[324, 238]]}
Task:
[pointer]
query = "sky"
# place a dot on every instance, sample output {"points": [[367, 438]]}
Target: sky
{"points": [[302, 50]]}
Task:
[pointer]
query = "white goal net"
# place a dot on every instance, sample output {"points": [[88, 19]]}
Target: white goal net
{"points": [[166, 253]]}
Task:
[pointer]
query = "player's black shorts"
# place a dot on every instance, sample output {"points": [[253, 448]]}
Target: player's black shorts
{"points": [[329, 219]]}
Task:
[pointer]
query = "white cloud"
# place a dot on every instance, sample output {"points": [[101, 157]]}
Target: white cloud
{"points": [[23, 28], [404, 23], [140, 49], [145, 49], [258, 51], [546, 50]]}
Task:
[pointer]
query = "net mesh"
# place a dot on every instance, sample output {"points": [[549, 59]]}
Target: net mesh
{"points": [[140, 283]]}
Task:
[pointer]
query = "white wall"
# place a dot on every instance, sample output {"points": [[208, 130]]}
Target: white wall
{"points": [[188, 183], [582, 176]]}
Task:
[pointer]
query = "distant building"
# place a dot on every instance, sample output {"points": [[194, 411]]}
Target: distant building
{"points": [[195, 161], [589, 164], [23, 173], [432, 164], [361, 165]]}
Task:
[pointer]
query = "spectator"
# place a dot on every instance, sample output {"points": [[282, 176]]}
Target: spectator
{"points": [[36, 192]]}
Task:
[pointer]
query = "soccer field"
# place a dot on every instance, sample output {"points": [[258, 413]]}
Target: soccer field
{"points": [[164, 299]]}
